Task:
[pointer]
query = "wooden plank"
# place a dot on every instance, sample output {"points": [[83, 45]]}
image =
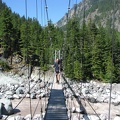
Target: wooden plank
{"points": [[56, 109]]}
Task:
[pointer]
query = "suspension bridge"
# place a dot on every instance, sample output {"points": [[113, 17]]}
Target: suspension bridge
{"points": [[57, 105], [60, 101]]}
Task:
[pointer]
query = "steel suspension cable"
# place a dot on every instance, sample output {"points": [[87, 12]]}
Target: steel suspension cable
{"points": [[45, 11], [41, 13], [21, 100], [83, 40], [113, 37], [38, 48], [75, 20], [82, 43], [65, 35], [83, 96], [39, 100], [45, 21], [36, 10], [37, 32], [39, 71], [76, 8], [42, 20], [69, 5], [24, 97], [68, 10], [36, 107], [91, 107], [28, 63], [67, 15], [27, 57], [89, 102], [46, 7]]}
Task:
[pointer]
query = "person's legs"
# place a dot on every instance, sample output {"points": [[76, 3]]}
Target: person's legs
{"points": [[56, 76]]}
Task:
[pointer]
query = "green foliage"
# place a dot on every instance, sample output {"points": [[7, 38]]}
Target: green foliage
{"points": [[77, 70], [88, 52], [72, 46], [4, 65], [6, 31]]}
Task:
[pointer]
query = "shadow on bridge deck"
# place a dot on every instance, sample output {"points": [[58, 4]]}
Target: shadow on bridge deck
{"points": [[56, 109]]}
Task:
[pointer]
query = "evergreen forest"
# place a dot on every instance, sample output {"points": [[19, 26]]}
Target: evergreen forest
{"points": [[88, 52]]}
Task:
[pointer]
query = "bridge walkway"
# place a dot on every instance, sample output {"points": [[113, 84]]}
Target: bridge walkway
{"points": [[56, 108]]}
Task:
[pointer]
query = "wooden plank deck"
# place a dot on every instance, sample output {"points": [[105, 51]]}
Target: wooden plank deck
{"points": [[56, 109]]}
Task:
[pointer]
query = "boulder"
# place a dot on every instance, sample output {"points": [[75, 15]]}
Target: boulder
{"points": [[33, 96], [16, 118], [92, 100], [104, 116], [15, 96], [93, 117], [1, 105], [9, 93], [20, 90], [28, 117], [38, 117], [7, 108], [117, 118]]}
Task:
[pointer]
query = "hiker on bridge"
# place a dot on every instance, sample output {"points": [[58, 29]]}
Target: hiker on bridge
{"points": [[57, 70]]}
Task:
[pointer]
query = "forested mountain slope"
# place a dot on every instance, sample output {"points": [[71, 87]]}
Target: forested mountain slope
{"points": [[90, 50], [99, 11]]}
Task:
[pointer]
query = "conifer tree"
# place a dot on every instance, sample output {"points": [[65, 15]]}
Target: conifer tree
{"points": [[6, 28]]}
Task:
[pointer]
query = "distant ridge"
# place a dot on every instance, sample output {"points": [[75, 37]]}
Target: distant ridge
{"points": [[99, 11]]}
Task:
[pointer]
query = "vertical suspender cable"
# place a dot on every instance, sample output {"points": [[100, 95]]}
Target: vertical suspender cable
{"points": [[27, 57], [36, 10], [67, 18], [37, 33], [41, 13], [76, 9], [38, 48], [76, 2], [74, 38], [70, 109], [69, 5], [44, 15], [113, 20], [83, 40], [84, 13], [68, 10], [41, 103], [46, 7]]}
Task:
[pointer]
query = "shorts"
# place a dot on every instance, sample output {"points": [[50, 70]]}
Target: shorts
{"points": [[57, 72]]}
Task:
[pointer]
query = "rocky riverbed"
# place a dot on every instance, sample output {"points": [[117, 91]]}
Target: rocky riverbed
{"points": [[94, 97], [14, 87]]}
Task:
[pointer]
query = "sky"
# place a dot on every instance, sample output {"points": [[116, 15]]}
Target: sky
{"points": [[56, 8]]}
